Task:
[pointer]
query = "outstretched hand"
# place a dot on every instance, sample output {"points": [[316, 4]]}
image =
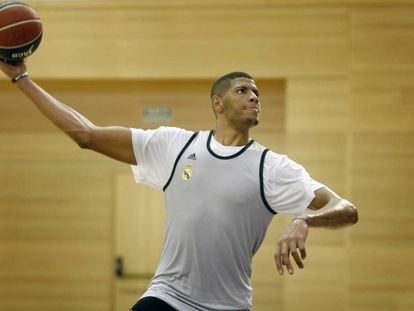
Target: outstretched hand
{"points": [[12, 70], [292, 240]]}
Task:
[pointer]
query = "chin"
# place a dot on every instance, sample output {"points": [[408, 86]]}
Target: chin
{"points": [[253, 122], [249, 123]]}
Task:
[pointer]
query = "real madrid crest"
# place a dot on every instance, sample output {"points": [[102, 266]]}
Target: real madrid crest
{"points": [[187, 172]]}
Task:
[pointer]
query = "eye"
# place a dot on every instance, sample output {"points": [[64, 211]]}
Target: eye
{"points": [[241, 90]]}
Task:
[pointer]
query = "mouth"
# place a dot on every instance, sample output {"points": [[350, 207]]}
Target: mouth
{"points": [[255, 109]]}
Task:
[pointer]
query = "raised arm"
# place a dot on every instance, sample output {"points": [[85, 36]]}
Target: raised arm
{"points": [[327, 210], [113, 141]]}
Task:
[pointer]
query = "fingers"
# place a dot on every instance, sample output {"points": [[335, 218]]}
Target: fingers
{"points": [[286, 248], [286, 258], [278, 259], [301, 245], [12, 68], [295, 255]]}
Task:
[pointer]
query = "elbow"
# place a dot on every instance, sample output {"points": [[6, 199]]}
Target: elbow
{"points": [[82, 137], [84, 144], [355, 217], [353, 213]]}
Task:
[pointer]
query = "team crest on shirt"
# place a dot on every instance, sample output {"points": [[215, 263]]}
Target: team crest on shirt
{"points": [[187, 172]]}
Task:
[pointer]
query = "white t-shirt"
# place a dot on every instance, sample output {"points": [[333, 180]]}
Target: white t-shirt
{"points": [[288, 187], [219, 203]]}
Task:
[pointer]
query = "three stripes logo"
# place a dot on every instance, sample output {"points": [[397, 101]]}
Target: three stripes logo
{"points": [[192, 156]]}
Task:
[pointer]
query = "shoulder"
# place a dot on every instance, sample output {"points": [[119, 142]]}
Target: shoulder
{"points": [[164, 130], [280, 166], [162, 134], [256, 147], [174, 133], [270, 156]]}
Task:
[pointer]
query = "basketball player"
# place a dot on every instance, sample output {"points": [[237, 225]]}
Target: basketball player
{"points": [[222, 189]]}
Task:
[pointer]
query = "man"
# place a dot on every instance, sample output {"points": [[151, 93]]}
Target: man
{"points": [[222, 190]]}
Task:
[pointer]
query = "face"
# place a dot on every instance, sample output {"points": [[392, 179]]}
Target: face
{"points": [[240, 104]]}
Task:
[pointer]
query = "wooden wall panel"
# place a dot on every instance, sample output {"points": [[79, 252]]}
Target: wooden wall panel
{"points": [[389, 33], [164, 41], [139, 234], [383, 178], [382, 159], [323, 284], [383, 173], [383, 69], [369, 107], [348, 67], [382, 278], [139, 224], [55, 236], [324, 153], [44, 146], [123, 103], [318, 128], [318, 104], [114, 103]]}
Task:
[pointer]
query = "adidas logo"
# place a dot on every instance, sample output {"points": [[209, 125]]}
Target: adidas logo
{"points": [[192, 157]]}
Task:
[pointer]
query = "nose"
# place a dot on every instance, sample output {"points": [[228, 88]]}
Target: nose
{"points": [[253, 98]]}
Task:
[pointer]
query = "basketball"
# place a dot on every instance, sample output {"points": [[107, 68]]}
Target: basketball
{"points": [[20, 31]]}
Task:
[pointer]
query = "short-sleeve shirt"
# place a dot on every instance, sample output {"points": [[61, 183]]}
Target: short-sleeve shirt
{"points": [[219, 203], [288, 186]]}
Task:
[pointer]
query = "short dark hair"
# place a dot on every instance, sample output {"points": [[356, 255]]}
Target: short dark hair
{"points": [[223, 82]]}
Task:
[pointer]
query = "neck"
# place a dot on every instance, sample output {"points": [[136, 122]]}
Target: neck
{"points": [[231, 137]]}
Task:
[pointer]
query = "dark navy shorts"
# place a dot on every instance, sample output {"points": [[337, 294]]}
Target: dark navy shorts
{"points": [[151, 304]]}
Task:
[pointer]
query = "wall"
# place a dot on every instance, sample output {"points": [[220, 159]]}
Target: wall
{"points": [[348, 67]]}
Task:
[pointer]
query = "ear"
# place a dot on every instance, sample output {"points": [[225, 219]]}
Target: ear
{"points": [[217, 104]]}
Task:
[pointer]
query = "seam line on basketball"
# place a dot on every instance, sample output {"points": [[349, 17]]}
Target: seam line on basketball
{"points": [[14, 5], [18, 46], [21, 23]]}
